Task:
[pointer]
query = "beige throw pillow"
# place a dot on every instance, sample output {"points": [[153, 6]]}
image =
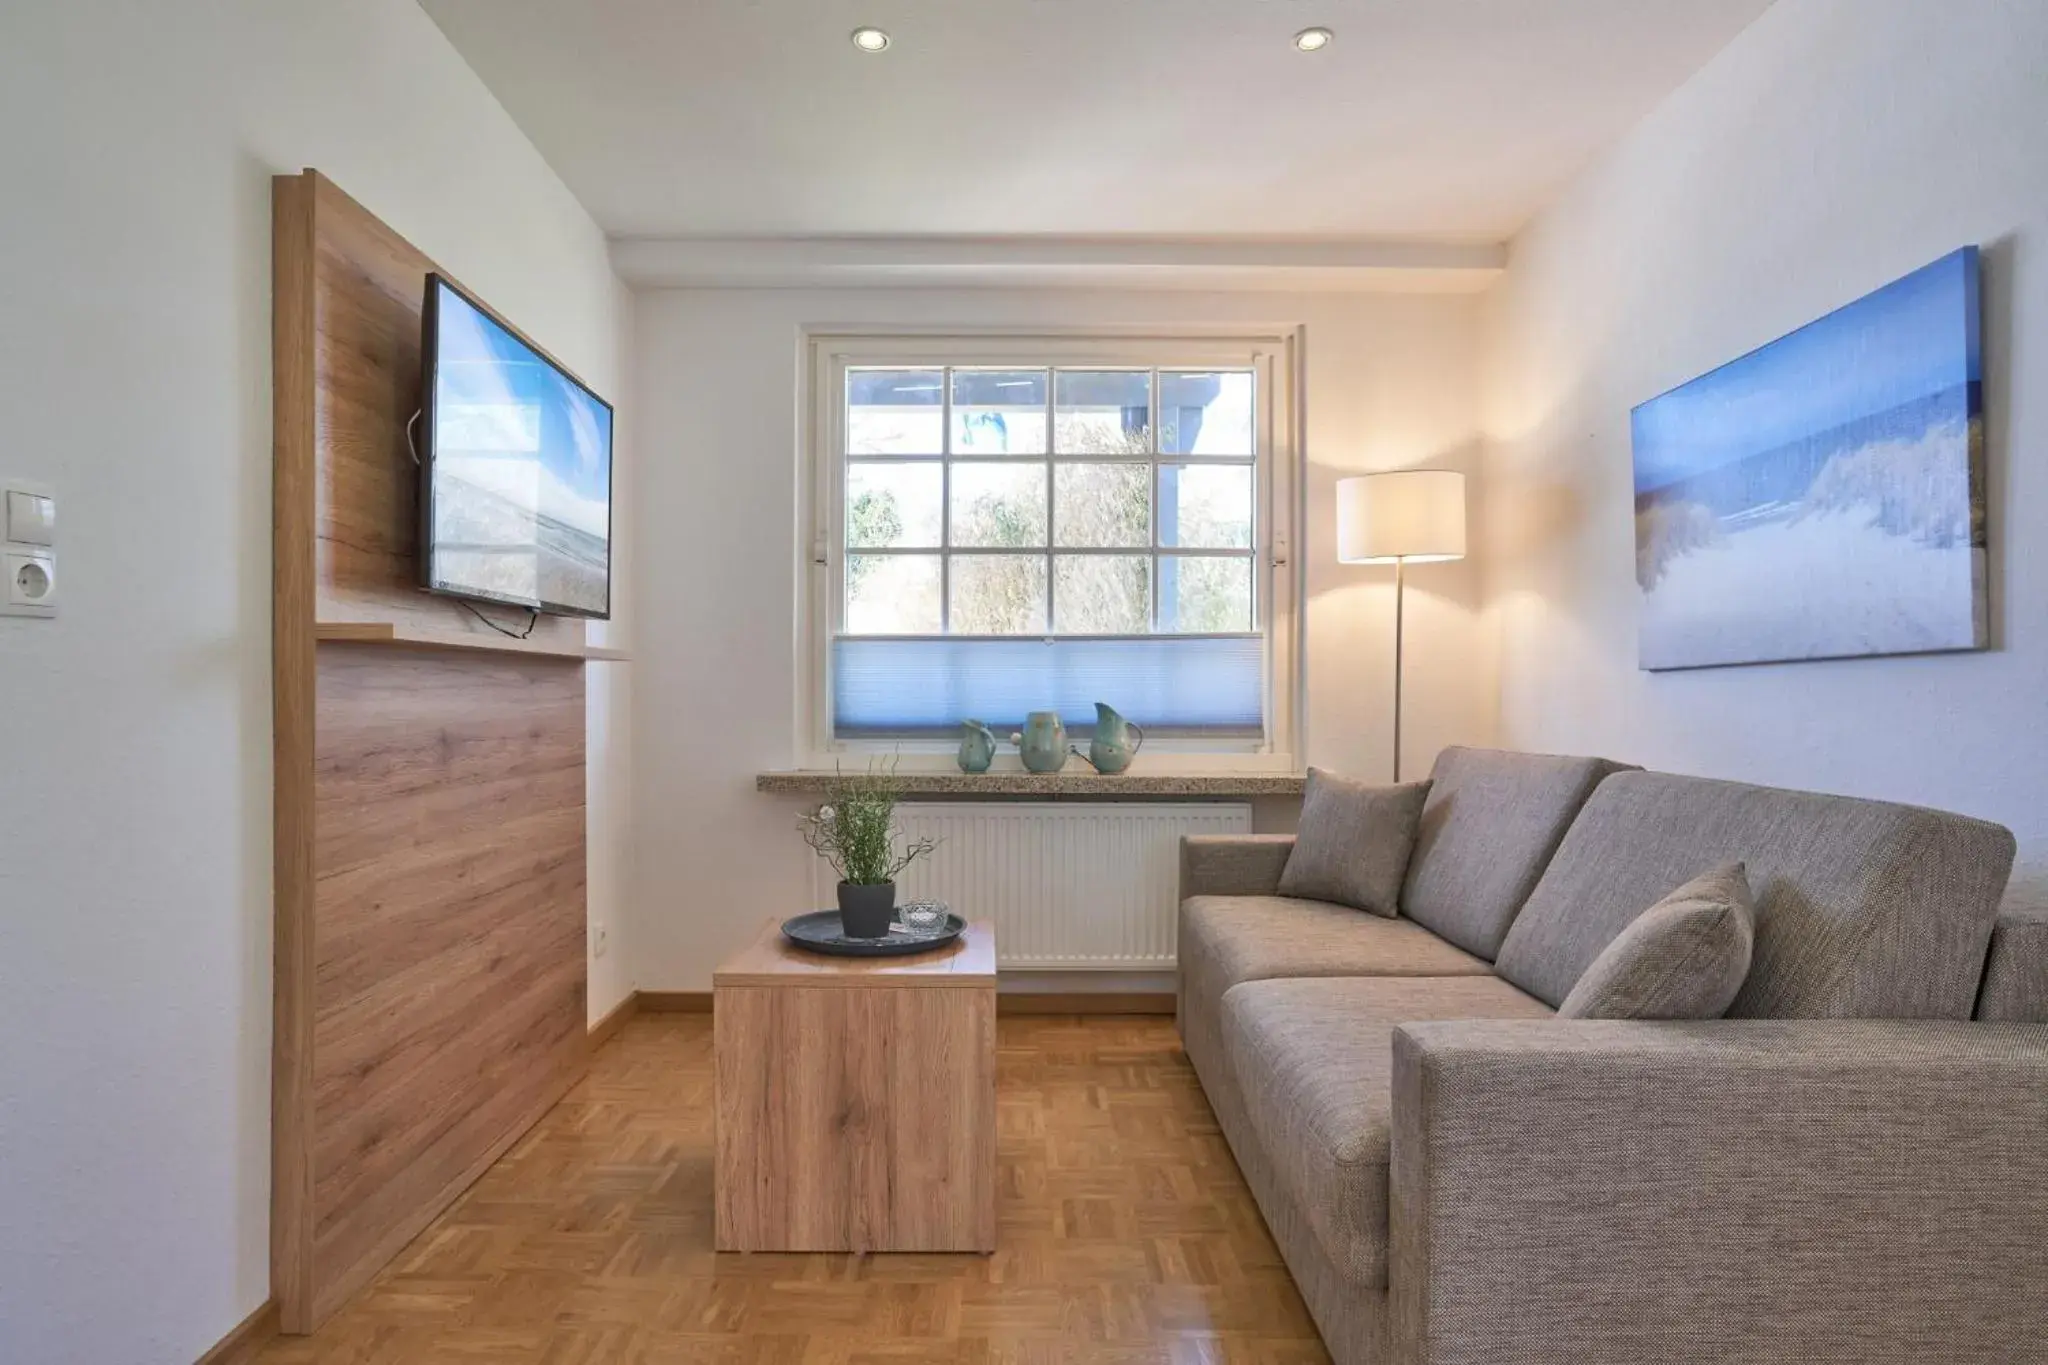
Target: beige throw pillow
{"points": [[1683, 958], [1354, 842]]}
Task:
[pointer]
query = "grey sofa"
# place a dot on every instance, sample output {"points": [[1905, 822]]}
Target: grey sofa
{"points": [[1850, 1167]]}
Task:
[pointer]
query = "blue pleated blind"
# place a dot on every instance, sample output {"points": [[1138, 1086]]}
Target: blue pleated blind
{"points": [[1188, 685]]}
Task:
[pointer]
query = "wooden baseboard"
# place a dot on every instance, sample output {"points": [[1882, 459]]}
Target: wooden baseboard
{"points": [[1085, 1002], [675, 1002], [249, 1336], [606, 1028]]}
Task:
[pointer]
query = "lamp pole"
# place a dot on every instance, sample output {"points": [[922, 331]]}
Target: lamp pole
{"points": [[1394, 517], [1400, 592]]}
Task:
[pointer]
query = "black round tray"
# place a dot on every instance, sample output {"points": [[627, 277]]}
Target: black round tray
{"points": [[820, 932]]}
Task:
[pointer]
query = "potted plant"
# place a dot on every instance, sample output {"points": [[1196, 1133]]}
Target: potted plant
{"points": [[856, 832]]}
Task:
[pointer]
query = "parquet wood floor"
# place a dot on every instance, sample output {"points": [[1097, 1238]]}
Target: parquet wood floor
{"points": [[1126, 1235]]}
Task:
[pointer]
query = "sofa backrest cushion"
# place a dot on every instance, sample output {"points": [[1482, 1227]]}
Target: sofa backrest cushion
{"points": [[1488, 829], [1864, 909], [2015, 989]]}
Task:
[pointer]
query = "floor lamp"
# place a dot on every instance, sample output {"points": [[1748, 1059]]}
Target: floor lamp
{"points": [[1410, 516]]}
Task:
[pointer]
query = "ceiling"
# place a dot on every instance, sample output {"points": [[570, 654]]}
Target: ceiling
{"points": [[1431, 119]]}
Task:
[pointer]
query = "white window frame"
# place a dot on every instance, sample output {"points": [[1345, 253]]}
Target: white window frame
{"points": [[1277, 575]]}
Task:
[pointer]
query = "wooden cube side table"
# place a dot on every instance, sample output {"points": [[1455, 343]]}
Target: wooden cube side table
{"points": [[856, 1098]]}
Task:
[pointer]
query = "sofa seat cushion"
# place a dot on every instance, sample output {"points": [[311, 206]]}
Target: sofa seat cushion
{"points": [[1313, 1059], [1225, 940]]}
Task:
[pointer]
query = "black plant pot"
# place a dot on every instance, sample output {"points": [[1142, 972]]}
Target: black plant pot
{"points": [[865, 911]]}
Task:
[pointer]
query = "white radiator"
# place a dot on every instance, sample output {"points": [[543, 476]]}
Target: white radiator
{"points": [[1070, 886]]}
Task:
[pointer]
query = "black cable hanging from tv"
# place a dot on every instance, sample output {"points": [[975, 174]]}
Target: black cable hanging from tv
{"points": [[532, 620]]}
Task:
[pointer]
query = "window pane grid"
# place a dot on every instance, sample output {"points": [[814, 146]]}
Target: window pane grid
{"points": [[1153, 472], [1052, 443], [946, 504], [983, 437]]}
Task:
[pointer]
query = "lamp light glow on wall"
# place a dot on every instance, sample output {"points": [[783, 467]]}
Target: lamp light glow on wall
{"points": [[1409, 516]]}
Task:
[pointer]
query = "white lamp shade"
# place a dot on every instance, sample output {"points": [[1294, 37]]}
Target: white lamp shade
{"points": [[1410, 514]]}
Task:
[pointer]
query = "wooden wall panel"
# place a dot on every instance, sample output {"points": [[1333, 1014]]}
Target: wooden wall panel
{"points": [[369, 284], [430, 802], [448, 992], [294, 458]]}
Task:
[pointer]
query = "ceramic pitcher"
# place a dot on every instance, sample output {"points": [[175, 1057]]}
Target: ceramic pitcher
{"points": [[977, 746], [1116, 741], [1043, 742]]}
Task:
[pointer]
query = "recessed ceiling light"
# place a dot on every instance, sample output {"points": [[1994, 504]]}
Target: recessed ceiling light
{"points": [[870, 39], [1311, 39]]}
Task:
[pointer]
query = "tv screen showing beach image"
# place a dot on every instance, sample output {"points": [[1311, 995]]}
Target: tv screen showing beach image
{"points": [[520, 481]]}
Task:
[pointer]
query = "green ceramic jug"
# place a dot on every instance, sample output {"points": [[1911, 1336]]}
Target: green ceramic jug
{"points": [[977, 746], [1043, 742], [1113, 747]]}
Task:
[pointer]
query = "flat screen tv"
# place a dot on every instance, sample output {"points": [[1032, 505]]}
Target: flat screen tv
{"points": [[515, 467]]}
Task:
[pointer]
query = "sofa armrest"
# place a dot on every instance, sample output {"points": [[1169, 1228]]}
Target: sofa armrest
{"points": [[1232, 864], [1609, 1193]]}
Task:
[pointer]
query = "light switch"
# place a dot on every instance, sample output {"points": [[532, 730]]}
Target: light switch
{"points": [[31, 517]]}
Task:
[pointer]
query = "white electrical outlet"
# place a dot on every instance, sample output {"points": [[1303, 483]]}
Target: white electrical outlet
{"points": [[31, 585], [28, 550], [600, 939]]}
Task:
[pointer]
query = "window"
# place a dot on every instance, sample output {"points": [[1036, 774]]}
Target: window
{"points": [[1006, 526]]}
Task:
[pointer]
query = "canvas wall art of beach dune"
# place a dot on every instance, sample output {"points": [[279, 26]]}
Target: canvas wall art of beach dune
{"points": [[1822, 497]]}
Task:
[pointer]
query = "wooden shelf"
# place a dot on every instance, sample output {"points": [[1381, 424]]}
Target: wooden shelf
{"points": [[484, 641]]}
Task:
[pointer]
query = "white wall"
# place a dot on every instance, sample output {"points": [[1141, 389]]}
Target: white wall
{"points": [[608, 700], [136, 145], [1836, 145], [1390, 382]]}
